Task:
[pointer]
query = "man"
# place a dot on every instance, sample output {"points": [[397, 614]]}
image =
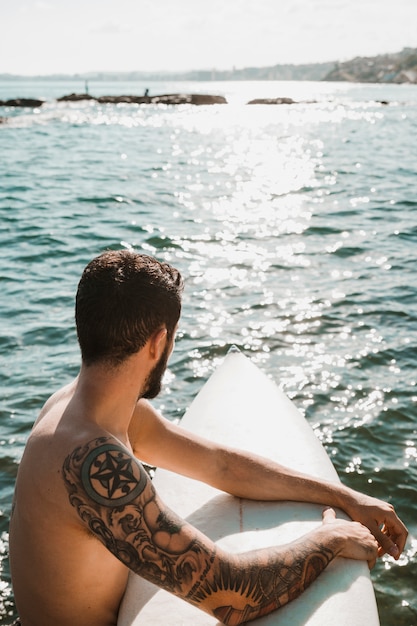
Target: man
{"points": [[86, 512]]}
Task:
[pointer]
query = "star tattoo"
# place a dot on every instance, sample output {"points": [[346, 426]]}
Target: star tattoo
{"points": [[111, 476]]}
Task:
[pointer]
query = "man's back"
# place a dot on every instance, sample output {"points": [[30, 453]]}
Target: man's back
{"points": [[62, 574]]}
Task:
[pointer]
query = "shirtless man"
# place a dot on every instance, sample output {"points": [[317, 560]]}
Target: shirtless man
{"points": [[85, 511]]}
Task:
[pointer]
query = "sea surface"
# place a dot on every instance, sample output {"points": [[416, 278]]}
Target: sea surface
{"points": [[295, 227]]}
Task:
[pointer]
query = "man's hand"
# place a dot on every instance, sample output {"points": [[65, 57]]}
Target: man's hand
{"points": [[383, 522], [359, 544]]}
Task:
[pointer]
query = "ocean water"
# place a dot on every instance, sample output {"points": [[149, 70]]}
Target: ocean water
{"points": [[295, 228]]}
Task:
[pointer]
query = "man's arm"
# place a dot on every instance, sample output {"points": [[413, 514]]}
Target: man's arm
{"points": [[157, 441], [116, 501]]}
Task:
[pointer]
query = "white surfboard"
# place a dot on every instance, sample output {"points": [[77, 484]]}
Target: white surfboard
{"points": [[241, 407]]}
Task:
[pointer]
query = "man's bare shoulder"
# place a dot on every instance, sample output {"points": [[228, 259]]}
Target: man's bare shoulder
{"points": [[60, 397]]}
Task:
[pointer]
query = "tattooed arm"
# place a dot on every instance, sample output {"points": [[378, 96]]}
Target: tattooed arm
{"points": [[162, 443], [117, 502]]}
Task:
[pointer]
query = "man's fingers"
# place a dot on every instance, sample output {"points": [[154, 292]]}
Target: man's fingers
{"points": [[387, 545], [329, 514]]}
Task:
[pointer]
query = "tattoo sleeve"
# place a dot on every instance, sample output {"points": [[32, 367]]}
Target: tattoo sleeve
{"points": [[115, 498]]}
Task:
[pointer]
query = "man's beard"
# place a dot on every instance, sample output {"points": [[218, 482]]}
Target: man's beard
{"points": [[153, 383]]}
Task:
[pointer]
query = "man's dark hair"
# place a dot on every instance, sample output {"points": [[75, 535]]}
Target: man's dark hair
{"points": [[123, 297]]}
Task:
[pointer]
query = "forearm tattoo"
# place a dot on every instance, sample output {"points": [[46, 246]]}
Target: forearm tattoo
{"points": [[269, 585], [115, 498]]}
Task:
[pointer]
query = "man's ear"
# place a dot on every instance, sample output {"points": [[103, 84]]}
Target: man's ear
{"points": [[157, 343]]}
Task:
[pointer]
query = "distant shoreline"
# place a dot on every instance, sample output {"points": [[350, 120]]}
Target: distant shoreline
{"points": [[396, 68]]}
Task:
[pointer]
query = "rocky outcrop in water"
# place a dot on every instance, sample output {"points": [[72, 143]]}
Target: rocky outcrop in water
{"points": [[280, 101], [175, 98], [272, 101], [22, 102], [76, 97]]}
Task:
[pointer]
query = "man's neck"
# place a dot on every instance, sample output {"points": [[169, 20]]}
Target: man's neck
{"points": [[108, 395]]}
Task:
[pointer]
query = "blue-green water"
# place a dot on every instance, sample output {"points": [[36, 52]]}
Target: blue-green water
{"points": [[295, 228]]}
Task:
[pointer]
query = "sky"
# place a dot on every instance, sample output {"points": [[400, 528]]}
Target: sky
{"points": [[40, 37]]}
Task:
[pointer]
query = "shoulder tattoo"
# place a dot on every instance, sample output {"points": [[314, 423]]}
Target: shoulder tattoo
{"points": [[111, 477]]}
